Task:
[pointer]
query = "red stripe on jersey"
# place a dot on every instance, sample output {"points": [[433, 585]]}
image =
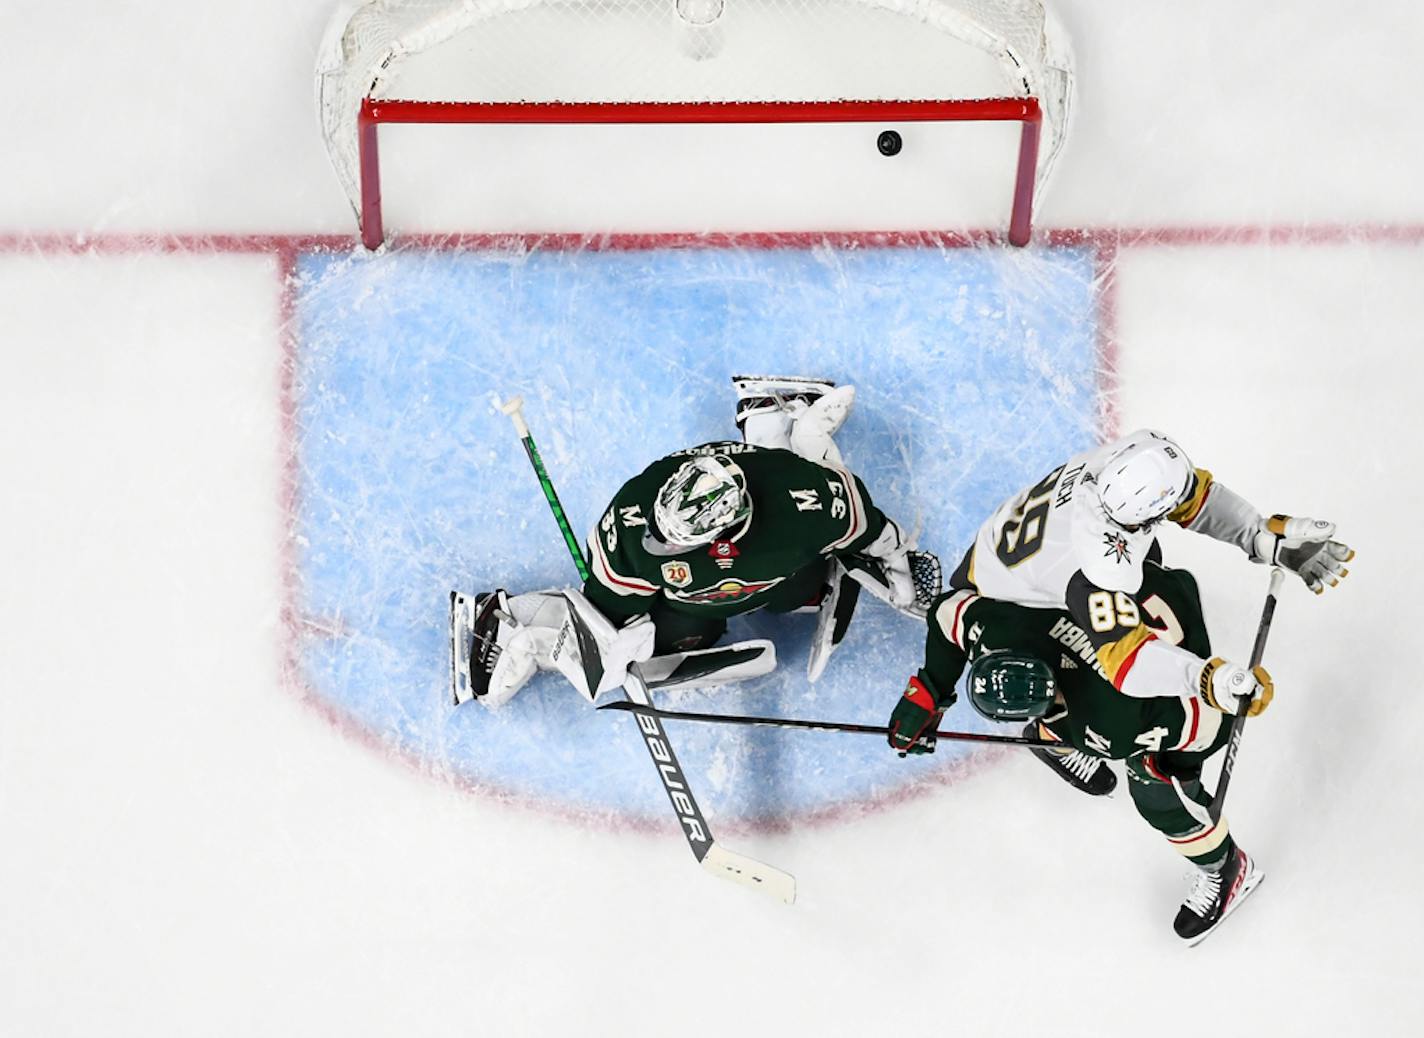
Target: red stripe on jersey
{"points": [[1150, 763], [1184, 840], [638, 587], [1196, 722], [954, 627]]}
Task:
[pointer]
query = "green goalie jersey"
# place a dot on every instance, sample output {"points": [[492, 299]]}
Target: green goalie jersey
{"points": [[801, 512], [1099, 719]]}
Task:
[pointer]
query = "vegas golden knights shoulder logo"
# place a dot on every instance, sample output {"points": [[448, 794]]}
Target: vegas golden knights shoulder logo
{"points": [[678, 574]]}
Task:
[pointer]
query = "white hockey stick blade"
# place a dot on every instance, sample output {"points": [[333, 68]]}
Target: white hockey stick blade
{"points": [[750, 873]]}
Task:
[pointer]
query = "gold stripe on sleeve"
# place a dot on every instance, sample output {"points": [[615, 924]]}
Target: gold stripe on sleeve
{"points": [[1117, 657], [1188, 510]]}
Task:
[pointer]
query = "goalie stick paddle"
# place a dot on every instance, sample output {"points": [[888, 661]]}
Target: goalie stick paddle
{"points": [[710, 855], [1238, 723], [820, 726]]}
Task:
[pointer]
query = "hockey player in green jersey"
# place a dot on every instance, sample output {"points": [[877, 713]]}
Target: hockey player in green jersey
{"points": [[773, 522], [1039, 666]]}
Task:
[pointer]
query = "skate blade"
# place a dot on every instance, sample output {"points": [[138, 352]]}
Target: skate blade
{"points": [[809, 380], [461, 637], [1246, 888]]}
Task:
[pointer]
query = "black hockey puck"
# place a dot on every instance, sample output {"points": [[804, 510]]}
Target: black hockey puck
{"points": [[889, 143]]}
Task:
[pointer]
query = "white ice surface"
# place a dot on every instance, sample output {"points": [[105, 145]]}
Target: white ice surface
{"points": [[187, 848]]}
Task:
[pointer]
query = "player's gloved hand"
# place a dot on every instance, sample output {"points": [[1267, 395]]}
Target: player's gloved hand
{"points": [[914, 719], [1305, 547], [1225, 686]]}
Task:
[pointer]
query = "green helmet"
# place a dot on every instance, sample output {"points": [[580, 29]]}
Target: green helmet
{"points": [[1010, 686], [704, 497]]}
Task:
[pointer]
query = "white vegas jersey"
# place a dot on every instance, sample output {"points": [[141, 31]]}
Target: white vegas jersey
{"points": [[1052, 546], [1031, 547]]}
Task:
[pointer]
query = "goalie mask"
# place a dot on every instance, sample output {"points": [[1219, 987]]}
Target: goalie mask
{"points": [[1010, 686], [1144, 480], [704, 497]]}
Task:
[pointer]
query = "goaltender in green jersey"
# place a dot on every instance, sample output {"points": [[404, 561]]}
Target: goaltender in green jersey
{"points": [[774, 521]]}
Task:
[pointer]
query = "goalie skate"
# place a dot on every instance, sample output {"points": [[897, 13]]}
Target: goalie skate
{"points": [[474, 648], [759, 394]]}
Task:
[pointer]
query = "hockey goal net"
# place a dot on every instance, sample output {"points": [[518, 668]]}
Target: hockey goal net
{"points": [[693, 62]]}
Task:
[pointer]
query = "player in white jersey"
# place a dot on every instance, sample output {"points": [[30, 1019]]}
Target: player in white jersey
{"points": [[1079, 537]]}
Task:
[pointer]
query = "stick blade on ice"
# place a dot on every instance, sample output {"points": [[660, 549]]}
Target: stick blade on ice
{"points": [[750, 873]]}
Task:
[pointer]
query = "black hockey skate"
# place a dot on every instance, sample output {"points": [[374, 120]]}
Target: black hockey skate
{"points": [[1083, 772], [474, 649], [1215, 895]]}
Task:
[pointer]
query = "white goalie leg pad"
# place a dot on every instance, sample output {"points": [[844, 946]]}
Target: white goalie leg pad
{"points": [[703, 668], [768, 406], [812, 430], [583, 645], [561, 630], [518, 660], [832, 619]]}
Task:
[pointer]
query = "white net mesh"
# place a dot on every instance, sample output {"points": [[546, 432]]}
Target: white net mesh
{"points": [[688, 51]]}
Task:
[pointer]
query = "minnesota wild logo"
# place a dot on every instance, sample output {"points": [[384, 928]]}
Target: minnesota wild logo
{"points": [[728, 590]]}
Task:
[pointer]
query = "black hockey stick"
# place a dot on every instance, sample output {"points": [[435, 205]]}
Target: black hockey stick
{"points": [[821, 726], [1238, 723], [713, 857]]}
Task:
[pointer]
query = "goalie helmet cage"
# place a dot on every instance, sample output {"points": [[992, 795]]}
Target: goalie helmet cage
{"points": [[689, 62]]}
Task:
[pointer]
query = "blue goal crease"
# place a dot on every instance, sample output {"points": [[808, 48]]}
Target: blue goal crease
{"points": [[974, 374]]}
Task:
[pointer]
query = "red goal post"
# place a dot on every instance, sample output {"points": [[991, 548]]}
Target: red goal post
{"points": [[433, 62]]}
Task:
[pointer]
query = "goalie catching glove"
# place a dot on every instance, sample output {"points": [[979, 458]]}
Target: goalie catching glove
{"points": [[1225, 686], [916, 716], [893, 571], [1305, 547]]}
